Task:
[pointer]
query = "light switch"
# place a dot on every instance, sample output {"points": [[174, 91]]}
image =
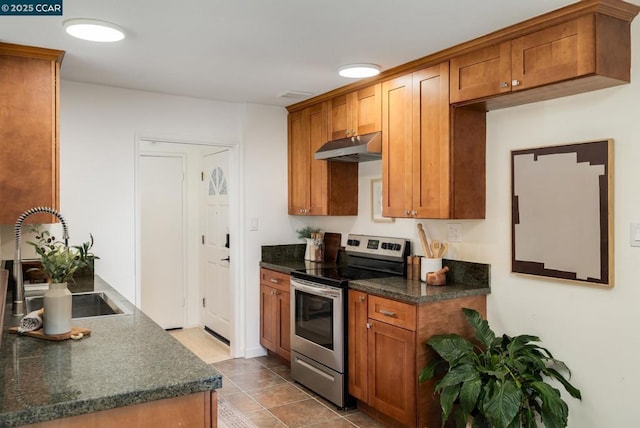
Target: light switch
{"points": [[635, 235], [254, 223]]}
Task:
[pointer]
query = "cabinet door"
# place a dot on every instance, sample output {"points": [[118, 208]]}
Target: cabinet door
{"points": [[268, 318], [554, 54], [299, 166], [283, 323], [339, 117], [431, 143], [396, 147], [357, 346], [28, 131], [481, 73], [355, 113], [392, 373], [367, 109], [316, 122]]}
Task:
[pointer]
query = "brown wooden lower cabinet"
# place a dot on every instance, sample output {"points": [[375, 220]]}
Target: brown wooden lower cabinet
{"points": [[194, 410], [387, 351], [275, 324]]}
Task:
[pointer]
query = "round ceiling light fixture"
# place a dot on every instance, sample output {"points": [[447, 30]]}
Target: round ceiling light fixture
{"points": [[93, 30], [358, 71]]}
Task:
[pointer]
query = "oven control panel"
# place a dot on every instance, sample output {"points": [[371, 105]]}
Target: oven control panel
{"points": [[384, 247]]}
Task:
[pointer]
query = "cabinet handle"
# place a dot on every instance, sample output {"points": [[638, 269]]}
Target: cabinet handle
{"points": [[515, 82], [362, 298], [407, 212], [346, 133], [303, 210], [368, 325], [504, 84], [414, 212], [276, 293], [388, 313], [275, 280]]}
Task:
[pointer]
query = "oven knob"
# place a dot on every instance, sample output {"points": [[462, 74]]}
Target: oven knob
{"points": [[384, 245], [396, 247]]}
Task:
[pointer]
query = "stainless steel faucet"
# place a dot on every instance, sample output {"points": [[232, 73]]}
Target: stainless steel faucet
{"points": [[19, 307]]}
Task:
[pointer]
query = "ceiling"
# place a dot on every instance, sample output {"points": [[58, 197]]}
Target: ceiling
{"points": [[255, 50]]}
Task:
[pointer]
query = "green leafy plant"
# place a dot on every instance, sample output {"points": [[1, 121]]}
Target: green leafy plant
{"points": [[306, 232], [59, 262], [499, 381]]}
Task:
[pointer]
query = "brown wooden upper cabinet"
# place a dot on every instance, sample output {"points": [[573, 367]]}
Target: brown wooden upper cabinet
{"points": [[29, 176], [592, 45], [317, 187], [428, 171], [355, 113]]}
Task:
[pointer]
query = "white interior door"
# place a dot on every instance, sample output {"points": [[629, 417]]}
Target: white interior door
{"points": [[216, 243], [162, 283]]}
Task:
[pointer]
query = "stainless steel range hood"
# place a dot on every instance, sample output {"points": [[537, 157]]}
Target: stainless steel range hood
{"points": [[363, 148]]}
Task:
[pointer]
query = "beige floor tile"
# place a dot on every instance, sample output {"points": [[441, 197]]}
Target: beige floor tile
{"points": [[243, 402], [278, 395], [264, 419], [303, 413], [205, 346], [228, 387], [257, 379], [239, 366]]}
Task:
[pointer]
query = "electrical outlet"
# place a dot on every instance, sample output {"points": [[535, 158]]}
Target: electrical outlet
{"points": [[454, 232]]}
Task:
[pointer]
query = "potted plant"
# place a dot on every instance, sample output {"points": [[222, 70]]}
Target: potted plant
{"points": [[307, 233], [59, 263], [498, 381]]}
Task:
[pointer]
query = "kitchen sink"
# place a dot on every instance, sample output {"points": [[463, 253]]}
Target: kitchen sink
{"points": [[84, 305]]}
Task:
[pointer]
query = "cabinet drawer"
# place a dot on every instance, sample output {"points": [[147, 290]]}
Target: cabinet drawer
{"points": [[392, 312], [275, 279]]}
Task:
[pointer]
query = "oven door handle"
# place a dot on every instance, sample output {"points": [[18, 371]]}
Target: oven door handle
{"points": [[318, 291]]}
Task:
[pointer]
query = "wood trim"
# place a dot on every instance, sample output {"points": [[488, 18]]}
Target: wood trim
{"points": [[31, 52], [615, 8]]}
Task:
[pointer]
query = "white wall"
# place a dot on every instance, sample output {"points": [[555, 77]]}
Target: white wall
{"points": [[98, 128]]}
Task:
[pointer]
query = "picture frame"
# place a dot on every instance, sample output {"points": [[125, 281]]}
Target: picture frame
{"points": [[562, 212], [376, 202]]}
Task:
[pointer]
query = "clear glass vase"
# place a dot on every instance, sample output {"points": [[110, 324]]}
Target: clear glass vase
{"points": [[57, 309]]}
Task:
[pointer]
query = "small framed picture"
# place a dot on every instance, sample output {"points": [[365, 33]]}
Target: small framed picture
{"points": [[376, 202]]}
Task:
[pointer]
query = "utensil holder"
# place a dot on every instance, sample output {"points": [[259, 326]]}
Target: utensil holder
{"points": [[428, 265]]}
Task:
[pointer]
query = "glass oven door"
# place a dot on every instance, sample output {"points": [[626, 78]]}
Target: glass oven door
{"points": [[317, 317]]}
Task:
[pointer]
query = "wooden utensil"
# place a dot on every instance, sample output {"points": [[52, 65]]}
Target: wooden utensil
{"points": [[443, 249], [424, 241], [435, 248]]}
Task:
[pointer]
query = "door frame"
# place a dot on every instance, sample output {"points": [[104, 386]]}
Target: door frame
{"points": [[236, 213]]}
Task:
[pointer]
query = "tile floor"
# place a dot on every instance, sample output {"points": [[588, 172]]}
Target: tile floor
{"points": [[262, 389]]}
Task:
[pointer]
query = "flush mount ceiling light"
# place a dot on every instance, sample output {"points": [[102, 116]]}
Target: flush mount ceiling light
{"points": [[93, 30], [357, 71]]}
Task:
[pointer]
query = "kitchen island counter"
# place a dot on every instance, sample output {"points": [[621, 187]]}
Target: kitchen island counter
{"points": [[126, 360]]}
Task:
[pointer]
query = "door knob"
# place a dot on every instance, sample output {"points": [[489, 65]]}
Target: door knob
{"points": [[227, 259]]}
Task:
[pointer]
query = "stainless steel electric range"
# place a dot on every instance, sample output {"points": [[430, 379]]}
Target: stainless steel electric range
{"points": [[319, 312]]}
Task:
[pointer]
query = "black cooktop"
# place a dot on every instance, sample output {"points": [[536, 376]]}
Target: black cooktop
{"points": [[338, 276]]}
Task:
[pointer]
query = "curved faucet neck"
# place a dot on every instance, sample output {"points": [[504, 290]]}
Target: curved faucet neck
{"points": [[18, 299]]}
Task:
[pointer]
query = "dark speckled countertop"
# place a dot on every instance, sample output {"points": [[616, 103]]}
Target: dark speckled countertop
{"points": [[463, 279], [127, 359]]}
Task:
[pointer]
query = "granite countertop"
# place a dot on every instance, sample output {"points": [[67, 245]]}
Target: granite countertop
{"points": [[127, 359], [463, 279]]}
